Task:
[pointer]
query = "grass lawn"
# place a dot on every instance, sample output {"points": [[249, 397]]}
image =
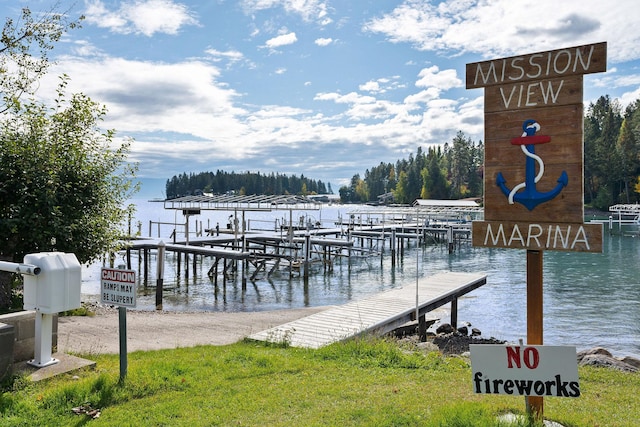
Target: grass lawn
{"points": [[365, 382]]}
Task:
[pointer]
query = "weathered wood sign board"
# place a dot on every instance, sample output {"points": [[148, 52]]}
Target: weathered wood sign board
{"points": [[533, 166]]}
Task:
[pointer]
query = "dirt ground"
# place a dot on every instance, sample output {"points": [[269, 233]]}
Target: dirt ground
{"points": [[99, 334]]}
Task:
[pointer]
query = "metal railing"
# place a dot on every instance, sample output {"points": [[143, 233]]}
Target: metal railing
{"points": [[14, 267]]}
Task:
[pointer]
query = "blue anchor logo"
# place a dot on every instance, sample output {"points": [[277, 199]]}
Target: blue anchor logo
{"points": [[530, 197]]}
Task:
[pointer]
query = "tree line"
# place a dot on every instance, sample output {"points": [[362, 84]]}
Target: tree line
{"points": [[451, 171], [454, 170], [243, 183], [611, 153]]}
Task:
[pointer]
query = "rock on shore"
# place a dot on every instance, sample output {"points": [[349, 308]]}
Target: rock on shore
{"points": [[601, 357], [451, 341]]}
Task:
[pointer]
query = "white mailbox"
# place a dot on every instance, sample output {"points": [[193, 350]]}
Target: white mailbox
{"points": [[58, 286]]}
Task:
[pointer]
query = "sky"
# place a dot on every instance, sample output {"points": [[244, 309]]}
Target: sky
{"points": [[321, 88]]}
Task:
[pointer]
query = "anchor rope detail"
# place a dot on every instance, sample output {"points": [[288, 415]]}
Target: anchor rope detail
{"points": [[530, 130], [526, 193]]}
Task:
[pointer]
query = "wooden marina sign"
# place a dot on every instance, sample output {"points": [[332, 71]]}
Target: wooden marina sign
{"points": [[533, 167]]}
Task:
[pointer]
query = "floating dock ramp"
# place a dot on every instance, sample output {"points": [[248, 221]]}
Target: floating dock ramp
{"points": [[379, 314]]}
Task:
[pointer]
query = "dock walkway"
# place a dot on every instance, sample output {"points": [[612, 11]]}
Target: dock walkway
{"points": [[380, 313]]}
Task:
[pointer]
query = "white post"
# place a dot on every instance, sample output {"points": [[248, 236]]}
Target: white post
{"points": [[42, 344]]}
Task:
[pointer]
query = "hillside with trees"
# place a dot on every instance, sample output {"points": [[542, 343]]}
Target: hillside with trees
{"points": [[243, 183], [451, 171]]}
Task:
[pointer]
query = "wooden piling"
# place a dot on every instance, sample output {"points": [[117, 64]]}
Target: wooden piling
{"points": [[160, 275]]}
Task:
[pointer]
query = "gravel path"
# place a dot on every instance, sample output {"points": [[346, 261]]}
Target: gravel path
{"points": [[165, 330]]}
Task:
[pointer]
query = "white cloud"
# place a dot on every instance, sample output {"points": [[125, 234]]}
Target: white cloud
{"points": [[443, 80], [423, 96], [229, 55], [84, 48], [306, 9], [350, 98], [630, 97], [506, 27], [614, 80], [412, 22], [381, 85], [145, 17], [180, 114], [370, 86], [281, 40], [323, 41], [146, 97], [376, 110]]}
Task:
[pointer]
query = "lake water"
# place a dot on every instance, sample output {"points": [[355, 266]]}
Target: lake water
{"points": [[589, 299]]}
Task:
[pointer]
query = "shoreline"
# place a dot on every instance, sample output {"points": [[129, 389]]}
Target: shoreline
{"points": [[159, 330], [152, 330]]}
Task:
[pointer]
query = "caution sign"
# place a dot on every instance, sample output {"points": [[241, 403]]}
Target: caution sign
{"points": [[118, 287]]}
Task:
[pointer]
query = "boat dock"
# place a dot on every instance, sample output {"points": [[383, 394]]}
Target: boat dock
{"points": [[380, 313], [295, 250], [293, 247], [624, 219]]}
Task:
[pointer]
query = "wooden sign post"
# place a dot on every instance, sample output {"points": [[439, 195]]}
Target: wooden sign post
{"points": [[533, 167]]}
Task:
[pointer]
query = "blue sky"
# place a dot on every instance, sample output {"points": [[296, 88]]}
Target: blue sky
{"points": [[326, 88]]}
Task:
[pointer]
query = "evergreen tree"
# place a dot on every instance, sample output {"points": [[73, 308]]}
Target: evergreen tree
{"points": [[602, 161], [628, 148], [401, 192], [435, 182], [462, 166]]}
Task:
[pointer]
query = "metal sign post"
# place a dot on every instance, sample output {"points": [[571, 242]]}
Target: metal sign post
{"points": [[118, 287], [122, 329]]}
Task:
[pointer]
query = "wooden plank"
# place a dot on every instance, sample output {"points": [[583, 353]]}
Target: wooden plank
{"points": [[577, 237], [537, 94], [380, 312], [564, 62], [502, 126], [200, 250], [562, 154]]}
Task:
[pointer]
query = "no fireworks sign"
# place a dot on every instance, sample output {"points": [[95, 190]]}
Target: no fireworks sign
{"points": [[534, 150]]}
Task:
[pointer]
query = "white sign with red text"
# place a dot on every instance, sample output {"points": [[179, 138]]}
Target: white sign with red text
{"points": [[533, 370], [118, 287]]}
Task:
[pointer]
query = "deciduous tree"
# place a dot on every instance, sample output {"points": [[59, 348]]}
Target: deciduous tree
{"points": [[63, 180], [24, 47]]}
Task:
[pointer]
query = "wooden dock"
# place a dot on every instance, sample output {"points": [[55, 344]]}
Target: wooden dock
{"points": [[251, 255], [380, 313]]}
